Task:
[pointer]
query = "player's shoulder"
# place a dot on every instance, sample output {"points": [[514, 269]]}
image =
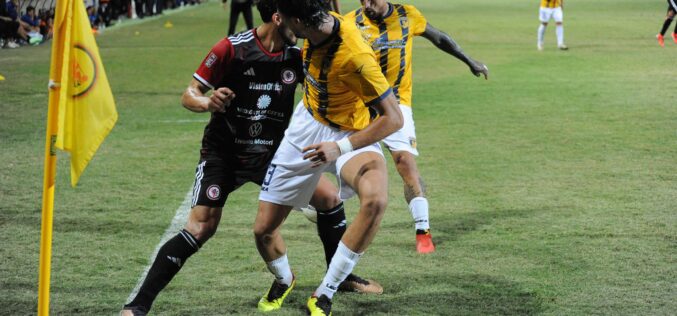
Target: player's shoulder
{"points": [[242, 38], [408, 8]]}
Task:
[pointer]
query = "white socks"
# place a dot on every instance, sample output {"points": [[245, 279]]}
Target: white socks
{"points": [[280, 268], [541, 34], [559, 30], [341, 266], [419, 211]]}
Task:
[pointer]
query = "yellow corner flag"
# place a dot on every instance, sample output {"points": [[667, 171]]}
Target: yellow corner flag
{"points": [[86, 108], [80, 114]]}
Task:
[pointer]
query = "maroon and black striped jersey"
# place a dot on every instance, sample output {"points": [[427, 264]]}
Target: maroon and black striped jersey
{"points": [[264, 84]]}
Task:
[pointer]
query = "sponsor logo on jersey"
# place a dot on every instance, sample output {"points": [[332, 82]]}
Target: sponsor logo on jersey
{"points": [[265, 142], [394, 44], [271, 86], [263, 102], [255, 129], [214, 192], [288, 76], [210, 60], [404, 22], [250, 72]]}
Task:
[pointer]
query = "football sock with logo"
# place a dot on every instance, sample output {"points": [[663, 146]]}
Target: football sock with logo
{"points": [[419, 211], [341, 266], [331, 224], [541, 33], [280, 268], [666, 25], [559, 30], [169, 260]]}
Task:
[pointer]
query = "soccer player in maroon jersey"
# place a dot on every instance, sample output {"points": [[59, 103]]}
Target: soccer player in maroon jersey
{"points": [[253, 76]]}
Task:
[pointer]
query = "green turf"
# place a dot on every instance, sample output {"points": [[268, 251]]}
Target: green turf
{"points": [[553, 186]]}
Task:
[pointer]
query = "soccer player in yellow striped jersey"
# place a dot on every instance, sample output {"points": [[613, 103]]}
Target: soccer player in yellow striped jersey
{"points": [[551, 9], [347, 108], [390, 29]]}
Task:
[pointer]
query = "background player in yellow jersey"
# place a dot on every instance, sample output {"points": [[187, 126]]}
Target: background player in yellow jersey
{"points": [[672, 10], [335, 129], [551, 9], [390, 29]]}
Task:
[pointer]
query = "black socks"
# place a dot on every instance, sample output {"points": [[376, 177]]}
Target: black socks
{"points": [[169, 260]]}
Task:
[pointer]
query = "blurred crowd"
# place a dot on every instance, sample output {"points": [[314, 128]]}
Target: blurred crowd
{"points": [[31, 22]]}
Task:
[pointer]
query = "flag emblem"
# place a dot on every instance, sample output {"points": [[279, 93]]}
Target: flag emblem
{"points": [[84, 71]]}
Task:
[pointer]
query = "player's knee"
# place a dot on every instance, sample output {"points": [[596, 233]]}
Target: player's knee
{"points": [[405, 163], [374, 206], [263, 234], [326, 202], [202, 231], [544, 23]]}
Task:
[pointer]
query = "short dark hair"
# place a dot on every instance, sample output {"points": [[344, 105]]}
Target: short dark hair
{"points": [[311, 12], [30, 8], [266, 9]]}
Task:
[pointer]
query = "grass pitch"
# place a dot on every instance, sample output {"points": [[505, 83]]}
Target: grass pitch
{"points": [[553, 186]]}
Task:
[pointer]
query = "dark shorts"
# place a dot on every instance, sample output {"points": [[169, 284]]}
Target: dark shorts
{"points": [[672, 5], [216, 176], [8, 28]]}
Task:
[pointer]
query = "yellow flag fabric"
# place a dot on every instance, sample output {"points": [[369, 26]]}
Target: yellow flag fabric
{"points": [[86, 109]]}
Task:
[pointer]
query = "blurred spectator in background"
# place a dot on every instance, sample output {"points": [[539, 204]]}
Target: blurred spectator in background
{"points": [[12, 9], [93, 18], [105, 13], [9, 28], [47, 23], [31, 19], [237, 7]]}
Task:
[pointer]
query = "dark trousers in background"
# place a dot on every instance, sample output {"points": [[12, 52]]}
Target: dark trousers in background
{"points": [[235, 10]]}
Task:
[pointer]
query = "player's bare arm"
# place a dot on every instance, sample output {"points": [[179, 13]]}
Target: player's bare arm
{"points": [[389, 121], [444, 42], [336, 6], [196, 100]]}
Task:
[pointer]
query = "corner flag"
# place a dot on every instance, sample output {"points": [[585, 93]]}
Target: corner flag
{"points": [[86, 110], [81, 113]]}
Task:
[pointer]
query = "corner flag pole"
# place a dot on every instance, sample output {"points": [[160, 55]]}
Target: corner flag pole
{"points": [[48, 185]]}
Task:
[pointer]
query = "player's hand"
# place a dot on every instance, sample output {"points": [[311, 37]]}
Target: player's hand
{"points": [[220, 100], [322, 153], [477, 68]]}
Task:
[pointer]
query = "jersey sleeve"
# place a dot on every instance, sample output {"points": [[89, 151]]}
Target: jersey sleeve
{"points": [[417, 22], [216, 65], [363, 76]]}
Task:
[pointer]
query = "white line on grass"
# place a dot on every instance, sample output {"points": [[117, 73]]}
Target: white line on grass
{"points": [[178, 222]]}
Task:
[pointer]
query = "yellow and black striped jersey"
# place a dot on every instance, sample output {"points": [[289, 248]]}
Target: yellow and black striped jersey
{"points": [[392, 40], [551, 3], [342, 78]]}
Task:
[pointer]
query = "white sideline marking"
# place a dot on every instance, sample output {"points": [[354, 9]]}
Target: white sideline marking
{"points": [[178, 222]]}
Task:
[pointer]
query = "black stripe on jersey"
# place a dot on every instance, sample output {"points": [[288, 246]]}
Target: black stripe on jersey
{"points": [[383, 39], [359, 17], [402, 13], [306, 66], [324, 71]]}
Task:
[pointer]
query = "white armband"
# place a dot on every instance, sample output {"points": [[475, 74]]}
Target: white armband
{"points": [[344, 146]]}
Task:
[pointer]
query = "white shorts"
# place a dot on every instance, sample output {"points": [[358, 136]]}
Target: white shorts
{"points": [[545, 14], [290, 179], [405, 138]]}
